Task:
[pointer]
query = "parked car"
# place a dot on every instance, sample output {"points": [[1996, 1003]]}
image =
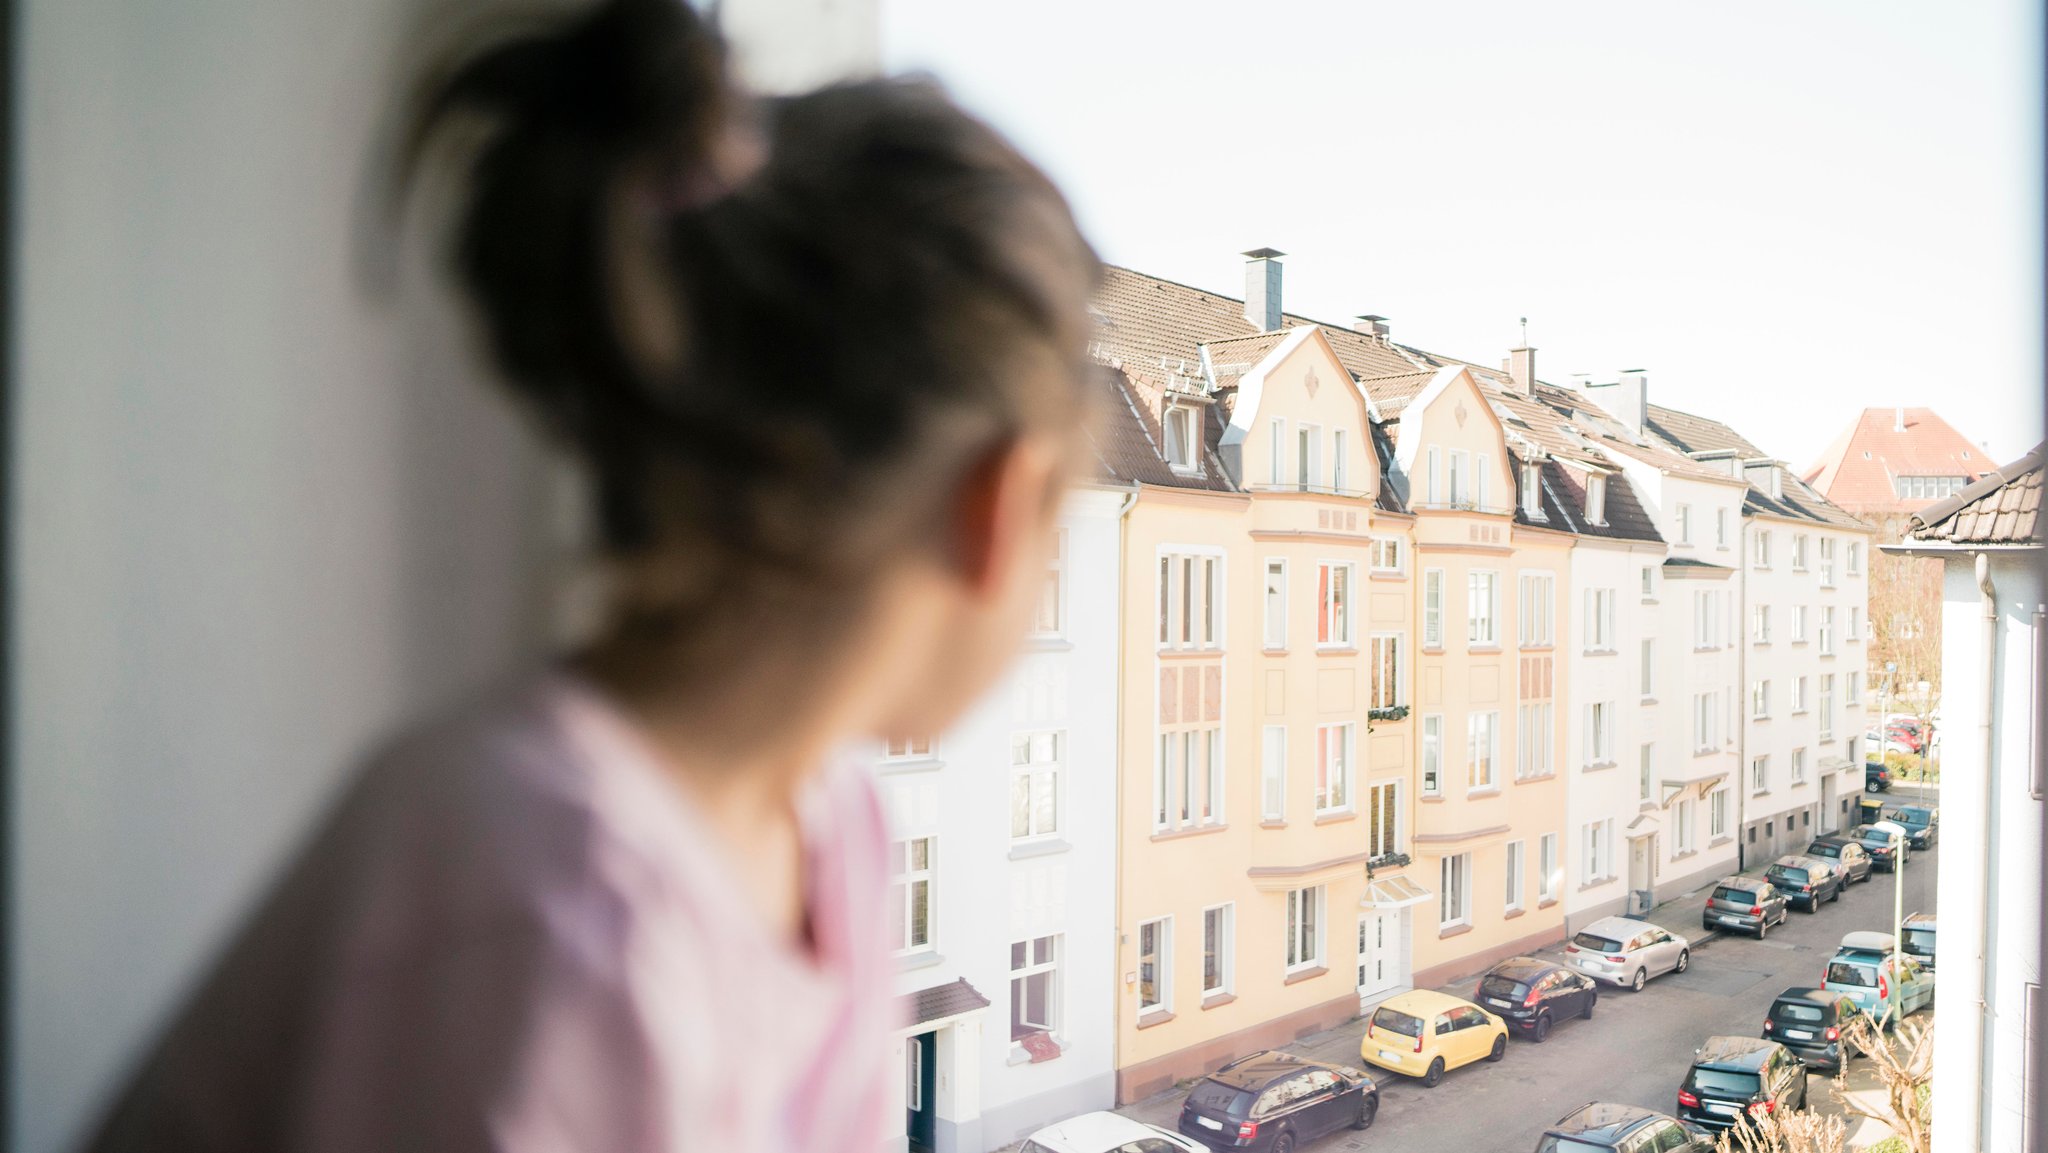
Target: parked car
{"points": [[1879, 744], [1274, 1101], [1921, 822], [1917, 939], [1626, 952], [1106, 1132], [1876, 776], [1805, 881], [1736, 1077], [1810, 1022], [1746, 903], [1887, 842], [1846, 854], [1909, 730], [1424, 1034], [1885, 986], [1598, 1127], [1532, 995]]}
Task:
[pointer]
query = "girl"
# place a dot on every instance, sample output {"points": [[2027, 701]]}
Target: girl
{"points": [[821, 358]]}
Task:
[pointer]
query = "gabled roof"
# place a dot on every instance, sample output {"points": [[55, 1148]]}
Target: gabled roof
{"points": [[939, 1002], [1796, 500], [1129, 444], [2003, 508], [1858, 470]]}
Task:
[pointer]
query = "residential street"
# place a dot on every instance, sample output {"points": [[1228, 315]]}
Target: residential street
{"points": [[1636, 1047]]}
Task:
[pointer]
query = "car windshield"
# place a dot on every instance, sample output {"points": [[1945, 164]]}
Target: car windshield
{"points": [[1824, 850], [1597, 944], [1494, 986], [1874, 837], [1848, 973], [1919, 942], [1552, 1143], [1781, 873], [1395, 1021], [1735, 896], [1723, 1083], [1216, 1097], [1906, 817], [1797, 1011]]}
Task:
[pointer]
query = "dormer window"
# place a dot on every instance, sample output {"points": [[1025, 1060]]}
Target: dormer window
{"points": [[1532, 490], [1180, 438], [1596, 500]]}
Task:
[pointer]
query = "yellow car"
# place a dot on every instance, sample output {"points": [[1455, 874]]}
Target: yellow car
{"points": [[1424, 1033]]}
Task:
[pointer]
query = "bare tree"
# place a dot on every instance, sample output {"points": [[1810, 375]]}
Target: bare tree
{"points": [[1786, 1133], [1904, 1064]]}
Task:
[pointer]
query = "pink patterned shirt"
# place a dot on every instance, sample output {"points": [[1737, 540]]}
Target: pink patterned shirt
{"points": [[515, 934]]}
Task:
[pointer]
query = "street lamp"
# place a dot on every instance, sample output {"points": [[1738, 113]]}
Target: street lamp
{"points": [[1898, 861]]}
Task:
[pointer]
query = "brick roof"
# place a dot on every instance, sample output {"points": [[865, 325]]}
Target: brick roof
{"points": [[1858, 470], [939, 1002], [2003, 508]]}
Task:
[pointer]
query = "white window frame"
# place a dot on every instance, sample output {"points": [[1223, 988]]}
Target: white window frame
{"points": [[1162, 954], [1648, 671], [1278, 435], [1188, 774], [1021, 976], [1548, 874], [1717, 813], [1762, 560], [1225, 949], [1535, 735], [1798, 695], [1387, 555], [1760, 774], [1460, 486], [1596, 499], [1684, 821], [1720, 528], [899, 749], [1798, 765], [1827, 562], [1482, 751], [1273, 773], [1827, 630], [1383, 691], [1536, 610], [1336, 767], [1433, 477], [1827, 706], [1855, 563], [1852, 692], [1482, 609], [1512, 873], [1338, 460], [1308, 453], [1532, 492], [1433, 609], [1649, 582], [1760, 700], [1040, 779], [1600, 726], [1182, 626], [1336, 605], [1705, 725], [1685, 525], [1049, 617], [1432, 778], [1646, 772], [1306, 928], [1799, 552], [1185, 420], [1798, 624], [1600, 620], [905, 892], [1384, 824], [1275, 607], [1760, 624], [1454, 891]]}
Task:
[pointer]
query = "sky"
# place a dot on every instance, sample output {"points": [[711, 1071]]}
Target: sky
{"points": [[1782, 212]]}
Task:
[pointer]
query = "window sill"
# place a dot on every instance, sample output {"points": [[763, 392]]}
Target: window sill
{"points": [[1273, 824], [1754, 718], [1487, 648], [1336, 650], [1511, 914], [1717, 842], [1599, 881], [1218, 1000], [1648, 807], [1273, 652], [1433, 649], [1488, 791], [1798, 784], [1153, 1017], [1599, 652], [1646, 701], [1546, 902], [1827, 740], [1706, 752], [922, 959], [1534, 778], [910, 765], [1458, 930], [1030, 849], [1544, 647], [1759, 792], [1759, 644], [1048, 644], [1431, 799], [1332, 818], [1600, 766], [1190, 831], [1387, 575], [1019, 1055], [1308, 974], [1650, 600], [1680, 856]]}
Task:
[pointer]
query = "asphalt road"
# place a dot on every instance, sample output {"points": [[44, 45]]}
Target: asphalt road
{"points": [[1635, 1049]]}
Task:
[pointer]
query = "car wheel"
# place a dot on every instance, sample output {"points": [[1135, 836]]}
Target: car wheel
{"points": [[1870, 786], [1592, 999], [1284, 1144], [1500, 1043], [1684, 960], [1435, 1075], [1542, 1031], [1635, 983], [1763, 926], [1368, 1108], [1838, 894]]}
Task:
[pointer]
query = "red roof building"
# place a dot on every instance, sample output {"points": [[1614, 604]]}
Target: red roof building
{"points": [[1896, 460]]}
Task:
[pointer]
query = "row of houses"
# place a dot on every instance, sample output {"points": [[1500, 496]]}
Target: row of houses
{"points": [[1359, 668]]}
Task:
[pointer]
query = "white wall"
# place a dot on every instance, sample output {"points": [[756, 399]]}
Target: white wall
{"points": [[1603, 793]]}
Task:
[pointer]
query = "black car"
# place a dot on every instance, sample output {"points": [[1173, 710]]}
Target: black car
{"points": [[1810, 1022], [1598, 1127], [1531, 995], [1921, 822], [1876, 778], [1805, 881], [1735, 1077], [1917, 939], [1276, 1101], [1847, 855], [1886, 849]]}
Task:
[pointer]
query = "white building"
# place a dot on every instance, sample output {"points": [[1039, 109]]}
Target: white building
{"points": [[1005, 835], [1989, 936]]}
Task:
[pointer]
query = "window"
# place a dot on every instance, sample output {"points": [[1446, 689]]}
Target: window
{"points": [[1717, 813], [1454, 896], [1482, 469], [1798, 624], [1928, 487], [1432, 488], [1155, 965], [1537, 615], [1513, 876], [1759, 700], [1276, 604], [1049, 619], [1308, 457], [1798, 694], [1387, 671], [1034, 986], [910, 891], [1433, 608], [1386, 554], [1720, 528], [1599, 843], [1482, 749], [1333, 767], [1759, 774], [1482, 608], [1798, 766], [1035, 785], [1799, 552], [1685, 524], [1461, 479], [1278, 450], [1547, 873], [1763, 548], [1535, 731], [1853, 691], [1599, 620], [1827, 630], [1760, 624], [913, 1076], [1648, 676], [1337, 460], [1827, 561], [1532, 491], [1855, 558], [1827, 707], [1190, 601], [1273, 773], [1855, 630], [1333, 594], [1219, 949], [1683, 823], [1600, 733], [1706, 620], [1645, 772], [1188, 788], [1596, 500], [1706, 723], [1649, 582], [1304, 927], [908, 749], [1385, 810], [1180, 437], [1432, 755]]}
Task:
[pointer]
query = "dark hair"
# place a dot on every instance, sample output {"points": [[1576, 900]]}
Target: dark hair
{"points": [[768, 327]]}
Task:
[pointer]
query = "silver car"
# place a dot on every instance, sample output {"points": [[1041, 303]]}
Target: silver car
{"points": [[1626, 952]]}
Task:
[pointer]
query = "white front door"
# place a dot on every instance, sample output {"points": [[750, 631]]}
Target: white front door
{"points": [[1379, 944]]}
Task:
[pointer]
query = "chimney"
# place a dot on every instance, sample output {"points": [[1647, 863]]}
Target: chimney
{"points": [[1899, 419], [1371, 325], [1629, 400], [1763, 473], [1262, 288], [1522, 369]]}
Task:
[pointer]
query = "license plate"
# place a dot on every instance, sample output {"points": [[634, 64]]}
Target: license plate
{"points": [[1800, 1034], [1207, 1123], [1389, 1055], [1497, 1001], [1729, 920], [1723, 1110]]}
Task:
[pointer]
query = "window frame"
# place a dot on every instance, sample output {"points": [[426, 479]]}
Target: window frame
{"points": [[1224, 950], [1306, 928], [1274, 608], [907, 878], [1489, 618], [1055, 588], [1388, 692], [1513, 873], [1433, 613], [1430, 778], [1028, 772], [1339, 787], [1454, 891], [1184, 416], [1162, 963], [1535, 609], [1272, 774], [1336, 605], [1549, 872], [1033, 968], [1475, 720]]}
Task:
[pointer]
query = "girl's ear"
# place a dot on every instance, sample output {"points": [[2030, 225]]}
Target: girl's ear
{"points": [[1002, 506]]}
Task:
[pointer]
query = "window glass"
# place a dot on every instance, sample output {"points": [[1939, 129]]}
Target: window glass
{"points": [[1395, 1021], [1723, 1082], [1597, 944]]}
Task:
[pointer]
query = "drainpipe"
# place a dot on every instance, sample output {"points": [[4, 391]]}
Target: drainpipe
{"points": [[1979, 971], [1116, 800], [1742, 645]]}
